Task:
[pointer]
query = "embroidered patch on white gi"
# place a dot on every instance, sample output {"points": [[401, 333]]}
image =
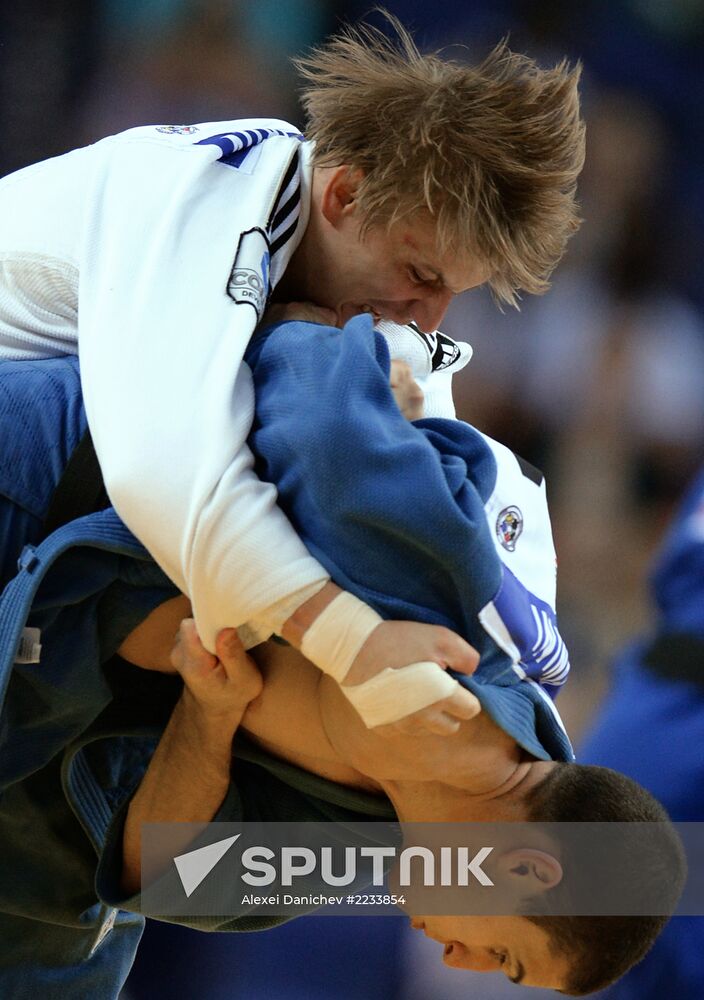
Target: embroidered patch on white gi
{"points": [[509, 525], [177, 129], [249, 278]]}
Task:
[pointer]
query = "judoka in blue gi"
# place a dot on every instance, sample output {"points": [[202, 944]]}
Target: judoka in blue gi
{"points": [[79, 732], [651, 727]]}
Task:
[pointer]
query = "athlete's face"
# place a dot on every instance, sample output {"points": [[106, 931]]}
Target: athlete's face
{"points": [[397, 274], [512, 945]]}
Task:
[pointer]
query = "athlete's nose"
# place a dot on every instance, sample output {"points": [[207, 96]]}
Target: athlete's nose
{"points": [[428, 312]]}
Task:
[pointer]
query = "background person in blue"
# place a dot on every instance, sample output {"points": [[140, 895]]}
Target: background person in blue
{"points": [[652, 729]]}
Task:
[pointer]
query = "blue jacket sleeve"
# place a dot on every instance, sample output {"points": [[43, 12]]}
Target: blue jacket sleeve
{"points": [[394, 511]]}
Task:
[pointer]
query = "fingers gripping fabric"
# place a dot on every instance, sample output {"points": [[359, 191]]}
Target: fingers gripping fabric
{"points": [[333, 641]]}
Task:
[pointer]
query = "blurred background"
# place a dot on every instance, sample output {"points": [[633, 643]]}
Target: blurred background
{"points": [[600, 383]]}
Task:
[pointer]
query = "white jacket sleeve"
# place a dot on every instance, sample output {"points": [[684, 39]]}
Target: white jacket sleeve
{"points": [[168, 397]]}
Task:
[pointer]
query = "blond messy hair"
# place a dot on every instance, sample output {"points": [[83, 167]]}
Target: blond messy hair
{"points": [[492, 151]]}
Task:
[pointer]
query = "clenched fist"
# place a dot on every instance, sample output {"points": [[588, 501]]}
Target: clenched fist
{"points": [[223, 685]]}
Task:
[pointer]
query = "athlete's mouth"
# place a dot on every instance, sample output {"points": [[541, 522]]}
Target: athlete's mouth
{"points": [[372, 312]]}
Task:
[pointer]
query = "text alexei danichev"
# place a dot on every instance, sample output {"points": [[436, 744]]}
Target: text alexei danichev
{"points": [[287, 899], [319, 899]]}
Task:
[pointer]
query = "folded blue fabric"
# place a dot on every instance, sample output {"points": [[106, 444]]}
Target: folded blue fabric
{"points": [[393, 510]]}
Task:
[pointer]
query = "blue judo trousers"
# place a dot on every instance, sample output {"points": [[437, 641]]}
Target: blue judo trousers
{"points": [[394, 511]]}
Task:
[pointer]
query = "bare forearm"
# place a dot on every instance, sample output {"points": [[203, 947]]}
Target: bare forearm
{"points": [[295, 628], [186, 781]]}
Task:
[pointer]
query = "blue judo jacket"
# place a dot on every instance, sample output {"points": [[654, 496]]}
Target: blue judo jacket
{"points": [[394, 511], [83, 588], [79, 726]]}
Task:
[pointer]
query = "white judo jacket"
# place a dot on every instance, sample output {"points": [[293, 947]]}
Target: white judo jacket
{"points": [[151, 254]]}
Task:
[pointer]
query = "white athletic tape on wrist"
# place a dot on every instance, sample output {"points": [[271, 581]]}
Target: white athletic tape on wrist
{"points": [[394, 694], [336, 636]]}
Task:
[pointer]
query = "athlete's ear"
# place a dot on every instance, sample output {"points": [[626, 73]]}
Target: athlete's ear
{"points": [[535, 871], [339, 194]]}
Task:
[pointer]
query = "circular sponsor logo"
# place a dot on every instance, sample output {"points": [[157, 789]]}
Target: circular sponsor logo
{"points": [[509, 525]]}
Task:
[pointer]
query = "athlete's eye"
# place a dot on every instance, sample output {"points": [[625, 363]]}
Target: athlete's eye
{"points": [[499, 955], [430, 280]]}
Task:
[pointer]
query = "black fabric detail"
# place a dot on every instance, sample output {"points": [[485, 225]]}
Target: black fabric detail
{"points": [[288, 177], [286, 209], [446, 352], [530, 471], [677, 656], [140, 698], [80, 490], [284, 238], [443, 350]]}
